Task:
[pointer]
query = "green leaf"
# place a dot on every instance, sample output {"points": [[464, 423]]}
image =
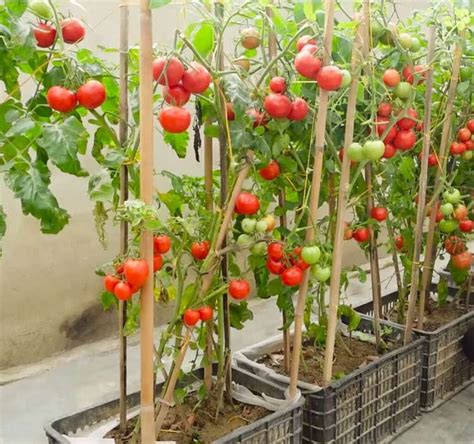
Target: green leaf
{"points": [[100, 219], [308, 10], [62, 141], [187, 297], [100, 187], [173, 201], [16, 7], [239, 313], [211, 130], [203, 39], [179, 142], [407, 168], [3, 225], [21, 126], [442, 290], [108, 300], [154, 4]]}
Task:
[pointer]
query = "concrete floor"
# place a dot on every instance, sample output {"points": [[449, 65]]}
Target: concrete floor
{"points": [[30, 396]]}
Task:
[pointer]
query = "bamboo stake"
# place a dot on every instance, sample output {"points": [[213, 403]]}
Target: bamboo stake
{"points": [[146, 241], [428, 264], [123, 134], [420, 213], [320, 124], [341, 205]]}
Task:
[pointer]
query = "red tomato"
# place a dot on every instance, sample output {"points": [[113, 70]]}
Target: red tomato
{"points": [[384, 109], [157, 262], [361, 234], [299, 262], [275, 267], [205, 313], [470, 145], [454, 245], [167, 72], [277, 105], [391, 77], [312, 49], [259, 119], [271, 171], [470, 125], [462, 261], [464, 135], [230, 111], [61, 99], [329, 78], [161, 244], [409, 72], [45, 35], [239, 288], [73, 30], [299, 109], [110, 282], [200, 250], [174, 119], [303, 41], [277, 85], [432, 160], [389, 152], [419, 126], [176, 95], [466, 225], [196, 79], [91, 95], [404, 140], [398, 242], [457, 148], [379, 213], [191, 317], [136, 271], [407, 123], [247, 203], [292, 276], [439, 215], [275, 251], [123, 291], [307, 64], [460, 212], [119, 268]]}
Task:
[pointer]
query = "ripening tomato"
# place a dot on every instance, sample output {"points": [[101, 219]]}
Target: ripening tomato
{"points": [[119, 268], [391, 77], [259, 119], [239, 288], [200, 250], [191, 317], [61, 99], [348, 232], [277, 84], [123, 291], [136, 271], [329, 78], [292, 276], [73, 30], [470, 125], [250, 38], [390, 151], [275, 251], [196, 79], [460, 212], [470, 145], [110, 282], [277, 105], [399, 242], [409, 72], [176, 95], [462, 261], [205, 313], [379, 213], [307, 64], [409, 122], [157, 262], [167, 72], [271, 222], [384, 109], [275, 267], [457, 148], [174, 119], [271, 171], [91, 95], [432, 160], [454, 245], [361, 234], [161, 244], [45, 35], [299, 109], [303, 41], [229, 107], [464, 135], [404, 140], [466, 225], [247, 203]]}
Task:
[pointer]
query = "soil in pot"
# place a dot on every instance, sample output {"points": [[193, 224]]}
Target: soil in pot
{"points": [[349, 355], [188, 424]]}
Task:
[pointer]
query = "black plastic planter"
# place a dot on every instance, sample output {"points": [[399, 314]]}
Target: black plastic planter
{"points": [[371, 404], [445, 368], [282, 427]]}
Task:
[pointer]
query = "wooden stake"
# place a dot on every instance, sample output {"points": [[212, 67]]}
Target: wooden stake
{"points": [[320, 126], [341, 206], [428, 263], [146, 241], [420, 213], [123, 135]]}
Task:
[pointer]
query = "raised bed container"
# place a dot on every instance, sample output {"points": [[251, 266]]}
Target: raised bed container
{"points": [[369, 405], [445, 368], [281, 427]]}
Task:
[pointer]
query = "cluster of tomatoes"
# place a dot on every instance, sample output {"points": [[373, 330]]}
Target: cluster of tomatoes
{"points": [[461, 258], [90, 95], [178, 85], [454, 213], [362, 234], [465, 143], [279, 106], [403, 88], [191, 317], [131, 276], [72, 31]]}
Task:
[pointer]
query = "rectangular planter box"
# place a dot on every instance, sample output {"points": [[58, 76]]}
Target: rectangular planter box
{"points": [[282, 427], [445, 368], [370, 405]]}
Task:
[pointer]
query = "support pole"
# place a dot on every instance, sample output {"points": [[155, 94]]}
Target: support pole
{"points": [[320, 125], [146, 241]]}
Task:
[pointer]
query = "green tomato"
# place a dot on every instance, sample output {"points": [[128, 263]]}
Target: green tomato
{"points": [[415, 45], [376, 28], [465, 73], [467, 155], [244, 240], [373, 149], [452, 196], [311, 255], [321, 274], [448, 225], [447, 209], [346, 78], [248, 225], [41, 8], [259, 249], [261, 226], [405, 40], [355, 152], [403, 90]]}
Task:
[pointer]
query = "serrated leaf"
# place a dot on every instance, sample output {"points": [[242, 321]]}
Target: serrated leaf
{"points": [[21, 126], [179, 142]]}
